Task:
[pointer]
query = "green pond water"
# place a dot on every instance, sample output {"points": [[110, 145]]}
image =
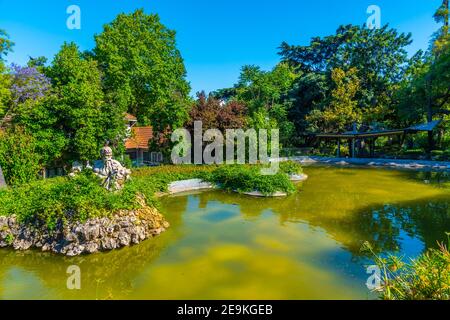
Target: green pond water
{"points": [[228, 246]]}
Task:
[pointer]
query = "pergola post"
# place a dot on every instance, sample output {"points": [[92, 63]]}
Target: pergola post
{"points": [[353, 147], [338, 148], [372, 147]]}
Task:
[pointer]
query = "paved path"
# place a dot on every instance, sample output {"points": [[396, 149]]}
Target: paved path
{"points": [[393, 163]]}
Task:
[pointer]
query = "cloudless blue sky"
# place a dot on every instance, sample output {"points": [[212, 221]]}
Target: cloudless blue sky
{"points": [[215, 37]]}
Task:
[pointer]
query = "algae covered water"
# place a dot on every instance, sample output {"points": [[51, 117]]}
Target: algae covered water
{"points": [[227, 246]]}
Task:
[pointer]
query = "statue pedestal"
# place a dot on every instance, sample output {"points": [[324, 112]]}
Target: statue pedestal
{"points": [[2, 179]]}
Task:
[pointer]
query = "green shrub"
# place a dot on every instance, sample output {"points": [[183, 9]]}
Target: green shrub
{"points": [[291, 167], [18, 158], [424, 278], [243, 178]]}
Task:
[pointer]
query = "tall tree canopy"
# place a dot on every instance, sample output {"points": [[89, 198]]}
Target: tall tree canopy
{"points": [[72, 122], [442, 36], [144, 72], [378, 55], [264, 94], [5, 80], [28, 83], [307, 95], [340, 109], [217, 114], [425, 96]]}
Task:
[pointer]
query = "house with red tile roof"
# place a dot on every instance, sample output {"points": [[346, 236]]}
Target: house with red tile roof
{"points": [[137, 143]]}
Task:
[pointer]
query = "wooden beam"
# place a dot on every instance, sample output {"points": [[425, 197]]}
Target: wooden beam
{"points": [[361, 135]]}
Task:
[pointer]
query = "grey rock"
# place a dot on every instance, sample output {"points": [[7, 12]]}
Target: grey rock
{"points": [[91, 247], [72, 239], [21, 244], [125, 224], [124, 238], [109, 244], [3, 222], [91, 232]]}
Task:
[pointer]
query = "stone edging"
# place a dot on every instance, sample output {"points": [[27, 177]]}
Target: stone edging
{"points": [[97, 234], [198, 184], [298, 177], [391, 163], [189, 185]]}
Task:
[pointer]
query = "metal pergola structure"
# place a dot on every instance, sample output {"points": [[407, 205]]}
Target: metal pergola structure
{"points": [[372, 136]]}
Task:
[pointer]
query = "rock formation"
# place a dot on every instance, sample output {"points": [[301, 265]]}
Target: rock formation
{"points": [[125, 228]]}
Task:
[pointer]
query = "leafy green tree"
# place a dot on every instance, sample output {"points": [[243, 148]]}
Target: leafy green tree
{"points": [[264, 93], [5, 80], [6, 44], [379, 55], [425, 94], [19, 158], [5, 93], [442, 36], [340, 110], [88, 120], [72, 122], [306, 95], [144, 72], [39, 63]]}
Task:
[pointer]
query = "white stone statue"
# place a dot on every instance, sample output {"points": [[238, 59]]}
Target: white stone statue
{"points": [[111, 171]]}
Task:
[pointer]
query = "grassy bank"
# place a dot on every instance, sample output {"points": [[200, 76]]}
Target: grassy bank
{"points": [[46, 202]]}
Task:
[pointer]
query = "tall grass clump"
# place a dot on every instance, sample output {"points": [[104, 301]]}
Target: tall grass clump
{"points": [[424, 278], [291, 167]]}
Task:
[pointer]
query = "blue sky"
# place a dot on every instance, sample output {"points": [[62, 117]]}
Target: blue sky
{"points": [[215, 37]]}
